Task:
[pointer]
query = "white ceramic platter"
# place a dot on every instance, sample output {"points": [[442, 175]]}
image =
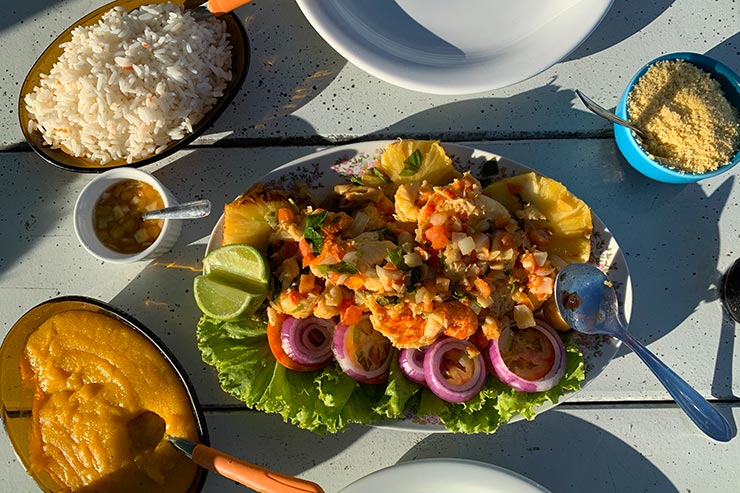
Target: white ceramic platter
{"points": [[322, 170], [463, 47], [443, 476]]}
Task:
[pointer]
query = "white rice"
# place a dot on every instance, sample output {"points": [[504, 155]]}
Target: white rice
{"points": [[127, 86]]}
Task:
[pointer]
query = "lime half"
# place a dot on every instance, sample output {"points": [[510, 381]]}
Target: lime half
{"points": [[240, 266], [234, 283], [222, 301]]}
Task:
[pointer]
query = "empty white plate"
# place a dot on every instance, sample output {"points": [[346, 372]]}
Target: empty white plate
{"points": [[444, 476], [463, 47]]}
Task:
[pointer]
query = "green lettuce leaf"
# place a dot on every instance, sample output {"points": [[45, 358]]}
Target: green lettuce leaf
{"points": [[327, 400]]}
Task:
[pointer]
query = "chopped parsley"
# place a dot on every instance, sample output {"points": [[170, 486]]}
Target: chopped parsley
{"points": [[312, 231], [412, 164], [396, 257], [340, 268]]}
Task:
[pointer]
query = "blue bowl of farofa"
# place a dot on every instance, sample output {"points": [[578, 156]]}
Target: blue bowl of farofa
{"points": [[652, 167]]}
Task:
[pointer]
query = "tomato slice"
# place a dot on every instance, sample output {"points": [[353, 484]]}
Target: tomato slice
{"points": [[276, 346], [529, 354]]}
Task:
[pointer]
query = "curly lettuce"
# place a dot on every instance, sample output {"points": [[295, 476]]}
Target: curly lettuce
{"points": [[327, 400]]}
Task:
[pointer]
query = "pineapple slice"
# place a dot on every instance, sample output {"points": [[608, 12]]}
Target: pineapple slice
{"points": [[406, 161], [547, 204], [252, 217]]}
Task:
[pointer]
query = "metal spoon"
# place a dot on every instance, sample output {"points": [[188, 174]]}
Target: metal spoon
{"points": [[588, 303], [188, 210], [606, 114]]}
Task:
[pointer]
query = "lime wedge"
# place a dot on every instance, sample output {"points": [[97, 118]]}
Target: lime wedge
{"points": [[239, 266], [234, 283], [224, 302]]}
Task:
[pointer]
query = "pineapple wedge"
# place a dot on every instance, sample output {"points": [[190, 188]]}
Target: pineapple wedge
{"points": [[564, 215], [252, 217], [401, 163]]}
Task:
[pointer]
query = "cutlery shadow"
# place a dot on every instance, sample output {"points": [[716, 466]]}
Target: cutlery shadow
{"points": [[625, 18]]}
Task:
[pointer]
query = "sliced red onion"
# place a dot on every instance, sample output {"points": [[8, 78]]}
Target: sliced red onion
{"points": [[446, 355], [411, 362], [307, 341], [546, 382], [362, 352]]}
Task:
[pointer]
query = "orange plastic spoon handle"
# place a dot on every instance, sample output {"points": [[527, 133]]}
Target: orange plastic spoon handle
{"points": [[217, 7], [251, 475]]}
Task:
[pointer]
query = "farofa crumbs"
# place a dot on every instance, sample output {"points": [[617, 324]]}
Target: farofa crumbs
{"points": [[691, 125]]}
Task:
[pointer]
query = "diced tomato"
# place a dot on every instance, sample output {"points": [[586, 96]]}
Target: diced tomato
{"points": [[284, 215], [529, 354], [437, 236], [276, 347], [482, 286], [507, 240]]}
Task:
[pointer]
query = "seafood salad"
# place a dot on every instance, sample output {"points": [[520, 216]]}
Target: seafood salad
{"points": [[411, 290]]}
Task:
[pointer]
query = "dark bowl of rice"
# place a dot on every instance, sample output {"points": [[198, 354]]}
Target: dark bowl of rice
{"points": [[130, 83]]}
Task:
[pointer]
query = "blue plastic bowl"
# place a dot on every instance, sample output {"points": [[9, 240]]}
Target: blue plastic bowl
{"points": [[636, 155]]}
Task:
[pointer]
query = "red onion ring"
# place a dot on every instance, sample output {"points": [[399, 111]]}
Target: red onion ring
{"points": [[549, 380], [307, 341], [350, 341], [434, 370], [411, 362]]}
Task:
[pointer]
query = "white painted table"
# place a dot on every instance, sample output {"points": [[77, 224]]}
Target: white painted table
{"points": [[622, 433]]}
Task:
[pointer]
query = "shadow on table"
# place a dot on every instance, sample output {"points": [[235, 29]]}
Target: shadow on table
{"points": [[575, 455], [727, 52], [502, 117], [290, 65], [624, 19]]}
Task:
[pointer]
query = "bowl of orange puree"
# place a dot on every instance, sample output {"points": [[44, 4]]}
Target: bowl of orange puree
{"points": [[77, 377]]}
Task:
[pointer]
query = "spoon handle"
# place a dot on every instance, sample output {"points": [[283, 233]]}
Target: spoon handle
{"points": [[599, 110], [701, 412], [251, 475], [188, 210]]}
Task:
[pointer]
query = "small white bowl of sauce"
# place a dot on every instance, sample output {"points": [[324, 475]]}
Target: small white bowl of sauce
{"points": [[107, 216]]}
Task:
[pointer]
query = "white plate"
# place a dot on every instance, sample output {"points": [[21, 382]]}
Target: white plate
{"points": [[458, 47], [324, 169], [444, 476]]}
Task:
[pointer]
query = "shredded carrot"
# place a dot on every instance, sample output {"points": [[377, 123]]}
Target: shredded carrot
{"points": [[354, 282], [351, 315]]}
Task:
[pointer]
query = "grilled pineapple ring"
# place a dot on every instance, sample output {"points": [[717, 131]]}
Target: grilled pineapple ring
{"points": [[547, 204], [252, 217], [408, 161]]}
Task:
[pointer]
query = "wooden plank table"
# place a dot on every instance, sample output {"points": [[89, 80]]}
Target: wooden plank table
{"points": [[621, 433]]}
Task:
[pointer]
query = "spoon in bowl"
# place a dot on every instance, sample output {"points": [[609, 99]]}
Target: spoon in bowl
{"points": [[608, 115], [588, 303], [188, 210], [147, 429]]}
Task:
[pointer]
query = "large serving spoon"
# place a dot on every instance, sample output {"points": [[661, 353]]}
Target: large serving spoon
{"points": [[188, 210], [148, 428], [588, 303], [599, 110]]}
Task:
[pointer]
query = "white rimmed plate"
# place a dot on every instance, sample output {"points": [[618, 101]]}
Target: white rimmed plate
{"points": [[322, 170], [444, 475], [443, 47]]}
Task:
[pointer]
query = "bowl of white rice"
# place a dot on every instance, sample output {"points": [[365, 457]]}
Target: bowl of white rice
{"points": [[131, 83]]}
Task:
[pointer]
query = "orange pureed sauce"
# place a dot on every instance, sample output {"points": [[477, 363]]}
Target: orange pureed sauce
{"points": [[92, 375], [117, 216]]}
